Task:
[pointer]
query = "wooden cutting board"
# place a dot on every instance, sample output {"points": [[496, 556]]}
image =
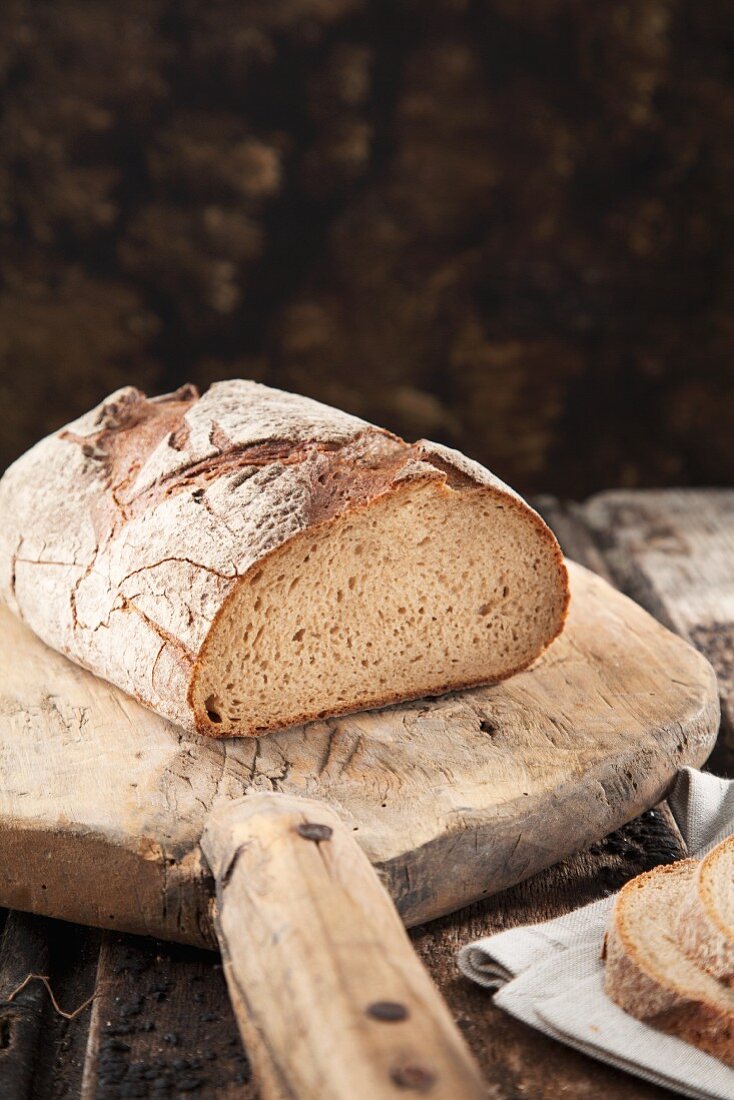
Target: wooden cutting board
{"points": [[102, 803]]}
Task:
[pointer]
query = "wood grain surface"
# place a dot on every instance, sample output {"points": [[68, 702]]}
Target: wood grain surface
{"points": [[161, 1024], [673, 552], [451, 799], [363, 1018]]}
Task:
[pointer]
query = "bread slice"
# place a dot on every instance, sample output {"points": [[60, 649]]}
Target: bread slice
{"points": [[706, 921], [649, 975], [248, 560]]}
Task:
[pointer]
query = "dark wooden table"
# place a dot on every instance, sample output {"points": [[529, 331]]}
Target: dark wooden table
{"points": [[160, 1023]]}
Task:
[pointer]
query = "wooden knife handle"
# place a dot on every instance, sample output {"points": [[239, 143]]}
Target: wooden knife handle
{"points": [[331, 1001]]}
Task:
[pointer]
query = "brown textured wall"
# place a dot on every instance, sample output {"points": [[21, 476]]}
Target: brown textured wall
{"points": [[504, 225]]}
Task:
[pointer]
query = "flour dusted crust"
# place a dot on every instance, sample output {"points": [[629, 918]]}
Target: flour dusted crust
{"points": [[131, 535]]}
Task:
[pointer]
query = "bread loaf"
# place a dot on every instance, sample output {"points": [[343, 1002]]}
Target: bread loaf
{"points": [[249, 559], [706, 920], [648, 973]]}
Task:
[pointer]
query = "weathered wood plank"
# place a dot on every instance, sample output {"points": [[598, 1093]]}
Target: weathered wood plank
{"points": [[23, 950], [41, 1052], [60, 1051], [672, 550], [162, 1025]]}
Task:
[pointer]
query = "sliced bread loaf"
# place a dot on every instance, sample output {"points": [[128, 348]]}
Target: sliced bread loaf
{"points": [[249, 559], [648, 973], [706, 920]]}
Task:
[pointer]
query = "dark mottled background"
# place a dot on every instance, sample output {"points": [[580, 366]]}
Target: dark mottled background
{"points": [[504, 225]]}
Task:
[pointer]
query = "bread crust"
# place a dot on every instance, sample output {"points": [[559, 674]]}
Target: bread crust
{"points": [[126, 533], [702, 932], [660, 1000]]}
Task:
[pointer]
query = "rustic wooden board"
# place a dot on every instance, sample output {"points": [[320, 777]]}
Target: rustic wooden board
{"points": [[98, 790], [102, 804], [141, 1034]]}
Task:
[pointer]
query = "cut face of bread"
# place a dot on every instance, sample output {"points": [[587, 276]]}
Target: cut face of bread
{"points": [[648, 973], [426, 590], [706, 922], [248, 559]]}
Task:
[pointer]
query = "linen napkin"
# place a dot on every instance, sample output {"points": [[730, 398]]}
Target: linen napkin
{"points": [[551, 976]]}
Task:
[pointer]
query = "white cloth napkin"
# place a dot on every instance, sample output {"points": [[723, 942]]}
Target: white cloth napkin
{"points": [[551, 976]]}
